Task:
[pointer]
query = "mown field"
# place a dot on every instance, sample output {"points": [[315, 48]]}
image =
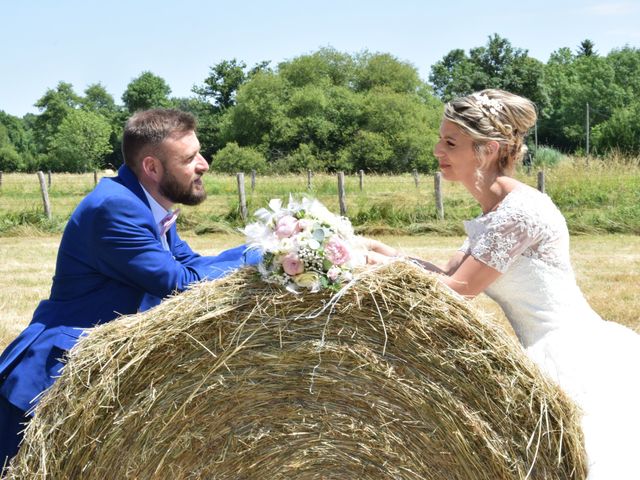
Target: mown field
{"points": [[600, 201], [607, 268]]}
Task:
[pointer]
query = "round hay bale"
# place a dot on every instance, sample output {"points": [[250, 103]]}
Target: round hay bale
{"points": [[395, 378]]}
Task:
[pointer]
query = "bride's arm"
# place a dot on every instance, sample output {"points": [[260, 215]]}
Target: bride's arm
{"points": [[449, 269], [471, 277], [463, 274], [379, 252]]}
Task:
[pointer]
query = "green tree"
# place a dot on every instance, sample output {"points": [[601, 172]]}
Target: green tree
{"points": [[233, 158], [382, 70], [224, 79], [300, 160], [366, 111], [97, 100], [626, 67], [327, 66], [587, 48], [214, 97], [496, 65], [452, 76], [146, 91], [572, 83], [408, 126], [81, 143], [259, 118], [18, 134], [54, 106], [10, 160], [619, 133]]}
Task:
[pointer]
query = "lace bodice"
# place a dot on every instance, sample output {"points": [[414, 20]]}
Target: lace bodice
{"points": [[526, 239]]}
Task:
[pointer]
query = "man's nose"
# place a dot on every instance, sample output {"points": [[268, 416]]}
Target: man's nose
{"points": [[203, 165]]}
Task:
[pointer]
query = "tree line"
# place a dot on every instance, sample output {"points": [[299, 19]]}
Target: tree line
{"points": [[330, 110]]}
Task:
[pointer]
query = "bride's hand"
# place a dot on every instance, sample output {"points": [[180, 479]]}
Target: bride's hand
{"points": [[375, 258], [378, 252]]}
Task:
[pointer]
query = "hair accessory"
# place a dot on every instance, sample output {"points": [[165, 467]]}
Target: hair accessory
{"points": [[488, 105]]}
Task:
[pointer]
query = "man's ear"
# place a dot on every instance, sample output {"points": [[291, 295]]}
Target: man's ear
{"points": [[151, 168]]}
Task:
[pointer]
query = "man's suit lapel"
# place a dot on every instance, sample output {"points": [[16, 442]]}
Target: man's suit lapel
{"points": [[127, 178]]}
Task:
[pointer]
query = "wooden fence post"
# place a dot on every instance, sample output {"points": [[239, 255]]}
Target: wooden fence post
{"points": [[253, 180], [242, 197], [437, 180], [341, 194], [361, 173], [415, 177], [45, 195], [95, 178], [541, 185], [49, 178], [309, 177]]}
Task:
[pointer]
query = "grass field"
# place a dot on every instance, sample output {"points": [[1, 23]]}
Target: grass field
{"points": [[607, 269], [595, 197], [600, 199]]}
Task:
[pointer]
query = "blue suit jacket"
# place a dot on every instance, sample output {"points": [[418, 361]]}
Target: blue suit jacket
{"points": [[110, 262]]}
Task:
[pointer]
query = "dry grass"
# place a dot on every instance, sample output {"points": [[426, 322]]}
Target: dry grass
{"points": [[395, 378], [607, 268]]}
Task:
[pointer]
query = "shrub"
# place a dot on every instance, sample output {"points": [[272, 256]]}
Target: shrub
{"points": [[301, 160], [234, 158], [547, 157], [10, 161]]}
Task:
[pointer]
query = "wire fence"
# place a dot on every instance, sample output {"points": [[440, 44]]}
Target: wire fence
{"points": [[241, 194]]}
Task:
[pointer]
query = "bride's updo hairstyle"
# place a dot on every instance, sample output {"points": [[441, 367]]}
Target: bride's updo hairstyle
{"points": [[495, 115]]}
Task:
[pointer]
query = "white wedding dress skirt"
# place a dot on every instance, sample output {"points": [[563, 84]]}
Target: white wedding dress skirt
{"points": [[598, 367]]}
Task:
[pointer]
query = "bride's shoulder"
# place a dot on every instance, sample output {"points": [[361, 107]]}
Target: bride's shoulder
{"points": [[529, 206], [520, 193]]}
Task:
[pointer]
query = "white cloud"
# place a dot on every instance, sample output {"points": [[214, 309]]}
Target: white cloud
{"points": [[613, 8]]}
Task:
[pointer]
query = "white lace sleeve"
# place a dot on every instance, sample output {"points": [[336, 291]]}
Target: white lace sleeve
{"points": [[505, 236], [465, 246]]}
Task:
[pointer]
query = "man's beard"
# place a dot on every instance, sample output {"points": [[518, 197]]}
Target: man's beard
{"points": [[171, 189]]}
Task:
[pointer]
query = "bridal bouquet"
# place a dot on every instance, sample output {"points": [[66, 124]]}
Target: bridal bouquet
{"points": [[304, 245]]}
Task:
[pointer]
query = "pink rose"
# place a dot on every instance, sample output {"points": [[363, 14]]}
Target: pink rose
{"points": [[337, 251], [286, 226], [334, 273], [292, 265]]}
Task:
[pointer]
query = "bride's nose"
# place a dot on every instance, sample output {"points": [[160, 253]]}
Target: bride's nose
{"points": [[437, 150]]}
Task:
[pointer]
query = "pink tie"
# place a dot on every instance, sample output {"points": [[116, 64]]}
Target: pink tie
{"points": [[168, 220]]}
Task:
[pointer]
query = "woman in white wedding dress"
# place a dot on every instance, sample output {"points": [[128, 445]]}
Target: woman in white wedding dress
{"points": [[517, 252]]}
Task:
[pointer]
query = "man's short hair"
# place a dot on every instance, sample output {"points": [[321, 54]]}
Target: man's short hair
{"points": [[148, 128]]}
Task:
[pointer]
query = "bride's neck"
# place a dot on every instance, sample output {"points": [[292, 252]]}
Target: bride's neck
{"points": [[489, 191]]}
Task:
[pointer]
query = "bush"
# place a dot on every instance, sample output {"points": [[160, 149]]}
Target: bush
{"points": [[301, 160], [234, 158], [547, 157], [10, 161], [371, 151], [621, 132]]}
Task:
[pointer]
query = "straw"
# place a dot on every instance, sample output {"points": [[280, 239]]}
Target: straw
{"points": [[398, 377]]}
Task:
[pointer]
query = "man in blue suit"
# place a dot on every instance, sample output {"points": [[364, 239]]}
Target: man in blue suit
{"points": [[120, 253]]}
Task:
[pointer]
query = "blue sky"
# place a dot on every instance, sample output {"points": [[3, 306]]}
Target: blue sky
{"points": [[83, 42]]}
